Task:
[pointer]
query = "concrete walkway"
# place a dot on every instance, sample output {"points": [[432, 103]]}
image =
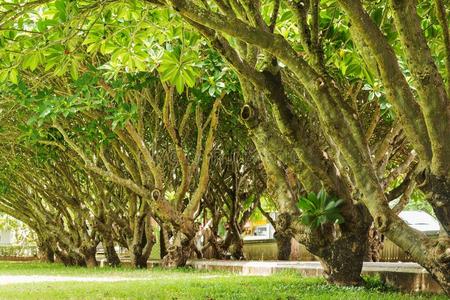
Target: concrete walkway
{"points": [[309, 268], [13, 279], [18, 279]]}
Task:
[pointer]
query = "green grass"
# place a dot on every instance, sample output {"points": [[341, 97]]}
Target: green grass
{"points": [[181, 284]]}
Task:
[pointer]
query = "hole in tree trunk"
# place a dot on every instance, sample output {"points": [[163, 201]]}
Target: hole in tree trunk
{"points": [[246, 112], [156, 194]]}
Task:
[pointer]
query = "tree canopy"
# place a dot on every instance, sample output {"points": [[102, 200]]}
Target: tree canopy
{"points": [[126, 113]]}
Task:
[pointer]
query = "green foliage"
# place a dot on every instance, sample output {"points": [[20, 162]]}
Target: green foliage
{"points": [[267, 204], [418, 201], [180, 67], [23, 237], [318, 209]]}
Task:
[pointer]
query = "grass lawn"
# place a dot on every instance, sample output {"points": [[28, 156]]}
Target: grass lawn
{"points": [[175, 284]]}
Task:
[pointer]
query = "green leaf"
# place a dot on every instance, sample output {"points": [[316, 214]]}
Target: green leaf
{"points": [[318, 209], [3, 75], [45, 113], [13, 76], [179, 84], [74, 70], [306, 219], [330, 205], [304, 204], [322, 219]]}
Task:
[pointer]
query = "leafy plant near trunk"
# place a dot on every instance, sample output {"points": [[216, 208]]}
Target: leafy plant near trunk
{"points": [[319, 209]]}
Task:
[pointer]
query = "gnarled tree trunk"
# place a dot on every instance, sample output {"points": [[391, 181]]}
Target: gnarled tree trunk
{"points": [[141, 249], [343, 259], [375, 245], [110, 253], [438, 195], [70, 258], [283, 236], [181, 244], [89, 256], [46, 252], [138, 260], [179, 250]]}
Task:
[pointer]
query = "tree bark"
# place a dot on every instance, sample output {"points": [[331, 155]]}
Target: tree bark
{"points": [[179, 251], [283, 236], [437, 191], [163, 237], [89, 257], [237, 248], [374, 246], [343, 261], [70, 258], [138, 261], [45, 253], [110, 253], [140, 252], [284, 244]]}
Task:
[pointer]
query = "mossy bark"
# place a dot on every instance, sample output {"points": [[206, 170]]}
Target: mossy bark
{"points": [[46, 252], [112, 258], [179, 251], [283, 237], [375, 245]]}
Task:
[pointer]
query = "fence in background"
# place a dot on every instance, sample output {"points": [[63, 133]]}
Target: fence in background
{"points": [[18, 251], [267, 250]]}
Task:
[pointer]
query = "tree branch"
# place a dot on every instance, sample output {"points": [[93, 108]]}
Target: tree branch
{"points": [[433, 97], [398, 90]]}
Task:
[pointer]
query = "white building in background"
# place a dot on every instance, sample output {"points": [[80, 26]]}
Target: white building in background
{"points": [[7, 237], [421, 221]]}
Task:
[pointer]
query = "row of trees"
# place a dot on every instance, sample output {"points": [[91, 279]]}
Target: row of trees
{"points": [[115, 113]]}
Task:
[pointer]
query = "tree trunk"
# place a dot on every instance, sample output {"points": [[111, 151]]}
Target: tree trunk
{"points": [[284, 243], [141, 249], [432, 253], [138, 260], [343, 261], [237, 248], [340, 248], [163, 237], [375, 245], [46, 253], [283, 236], [179, 251], [89, 257], [62, 258], [70, 258], [48, 256], [438, 195], [110, 253], [138, 257]]}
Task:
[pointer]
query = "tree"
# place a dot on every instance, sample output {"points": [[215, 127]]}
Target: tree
{"points": [[425, 122], [307, 78], [237, 183]]}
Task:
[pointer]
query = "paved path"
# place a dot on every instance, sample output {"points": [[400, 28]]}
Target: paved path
{"points": [[14, 279], [258, 267]]}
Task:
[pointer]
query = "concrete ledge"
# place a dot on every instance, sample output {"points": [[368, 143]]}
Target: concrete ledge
{"points": [[408, 277]]}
